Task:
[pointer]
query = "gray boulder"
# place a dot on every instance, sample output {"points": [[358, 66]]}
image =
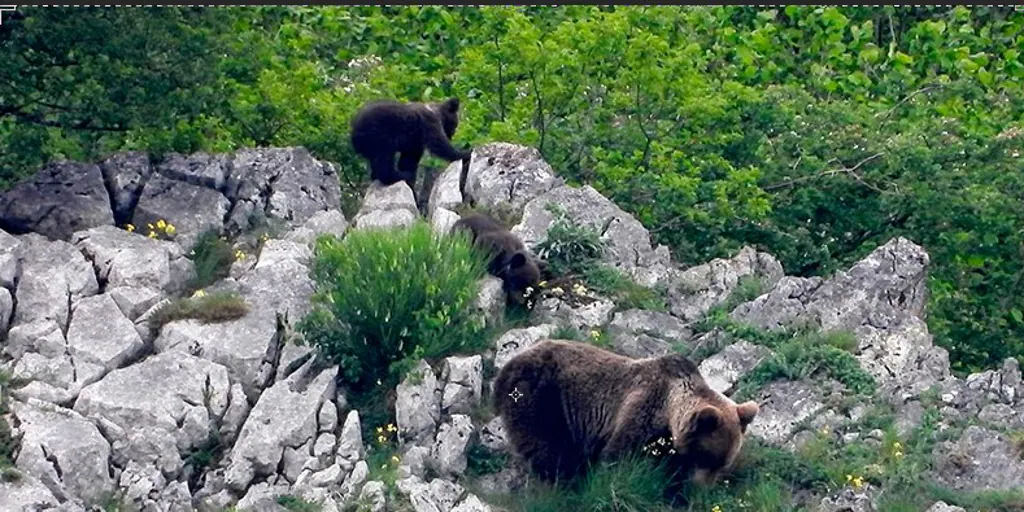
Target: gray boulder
{"points": [[286, 416], [418, 405], [387, 207], [62, 198], [517, 340], [694, 291], [638, 333], [724, 369], [128, 259], [981, 460], [53, 275], [279, 184], [627, 243], [191, 209], [64, 451], [500, 174]]}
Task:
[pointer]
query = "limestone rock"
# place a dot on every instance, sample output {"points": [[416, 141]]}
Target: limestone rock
{"points": [[64, 451], [693, 292], [638, 333], [627, 243], [516, 340], [464, 383], [284, 417], [418, 404], [722, 370], [62, 198], [449, 450]]}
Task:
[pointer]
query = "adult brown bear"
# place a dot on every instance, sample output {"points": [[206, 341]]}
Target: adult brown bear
{"points": [[509, 260], [383, 128], [565, 405]]}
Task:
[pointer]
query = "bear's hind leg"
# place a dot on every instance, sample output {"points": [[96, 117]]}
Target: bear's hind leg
{"points": [[408, 163], [382, 169]]}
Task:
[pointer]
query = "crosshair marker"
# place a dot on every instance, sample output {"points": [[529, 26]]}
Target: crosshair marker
{"points": [[515, 395]]}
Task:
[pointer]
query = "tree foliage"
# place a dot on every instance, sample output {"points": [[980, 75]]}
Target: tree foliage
{"points": [[816, 133]]}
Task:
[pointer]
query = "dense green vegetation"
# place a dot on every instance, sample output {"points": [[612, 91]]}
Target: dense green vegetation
{"points": [[817, 133]]}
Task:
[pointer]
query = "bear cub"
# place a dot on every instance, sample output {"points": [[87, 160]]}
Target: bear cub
{"points": [[381, 129], [566, 405], [509, 260]]}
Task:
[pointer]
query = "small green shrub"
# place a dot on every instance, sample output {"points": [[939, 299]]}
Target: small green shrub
{"points": [[212, 256], [569, 248], [206, 308], [8, 444], [482, 461], [807, 355], [386, 298]]}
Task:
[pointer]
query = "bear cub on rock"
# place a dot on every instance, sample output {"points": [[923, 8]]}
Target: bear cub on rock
{"points": [[382, 128], [509, 259], [567, 405]]}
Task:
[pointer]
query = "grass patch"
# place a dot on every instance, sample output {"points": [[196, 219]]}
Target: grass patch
{"points": [[296, 504], [622, 290], [633, 484], [205, 308], [807, 355], [212, 256]]}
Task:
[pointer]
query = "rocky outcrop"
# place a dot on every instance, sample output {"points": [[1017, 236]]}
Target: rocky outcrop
{"points": [[209, 416]]}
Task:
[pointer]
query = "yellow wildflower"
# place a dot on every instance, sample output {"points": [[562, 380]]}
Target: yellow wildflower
{"points": [[129, 227], [160, 224], [150, 226], [152, 234], [395, 459], [239, 255], [542, 284], [898, 454], [170, 230], [392, 428], [716, 508], [595, 334], [381, 439], [198, 294], [380, 430], [856, 481]]}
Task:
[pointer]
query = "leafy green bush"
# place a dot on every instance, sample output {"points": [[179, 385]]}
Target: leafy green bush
{"points": [[569, 248], [626, 293], [387, 297]]}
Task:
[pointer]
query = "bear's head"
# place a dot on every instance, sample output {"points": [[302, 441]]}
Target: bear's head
{"points": [[708, 437], [521, 275], [449, 112]]}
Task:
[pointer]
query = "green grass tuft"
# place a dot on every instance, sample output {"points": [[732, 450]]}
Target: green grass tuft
{"points": [[206, 308]]}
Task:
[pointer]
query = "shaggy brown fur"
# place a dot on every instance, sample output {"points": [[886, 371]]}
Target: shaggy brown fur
{"points": [[510, 261], [580, 404], [383, 128]]}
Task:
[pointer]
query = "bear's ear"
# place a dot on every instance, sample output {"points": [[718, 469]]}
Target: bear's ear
{"points": [[747, 411], [451, 105], [707, 419], [517, 260]]}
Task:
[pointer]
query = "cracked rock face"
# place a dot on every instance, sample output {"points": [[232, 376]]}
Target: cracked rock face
{"points": [[724, 369], [64, 451], [500, 174], [638, 333], [123, 259], [583, 317], [248, 346], [981, 459], [53, 274], [192, 209], [627, 243], [62, 198], [694, 291], [418, 404], [286, 416], [517, 340]]}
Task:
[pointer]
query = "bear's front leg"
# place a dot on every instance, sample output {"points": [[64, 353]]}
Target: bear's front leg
{"points": [[633, 426]]}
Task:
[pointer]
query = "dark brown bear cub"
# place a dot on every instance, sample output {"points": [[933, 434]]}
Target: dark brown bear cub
{"points": [[509, 260], [567, 405], [381, 129]]}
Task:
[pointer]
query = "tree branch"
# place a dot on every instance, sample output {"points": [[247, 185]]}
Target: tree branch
{"points": [[852, 171]]}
